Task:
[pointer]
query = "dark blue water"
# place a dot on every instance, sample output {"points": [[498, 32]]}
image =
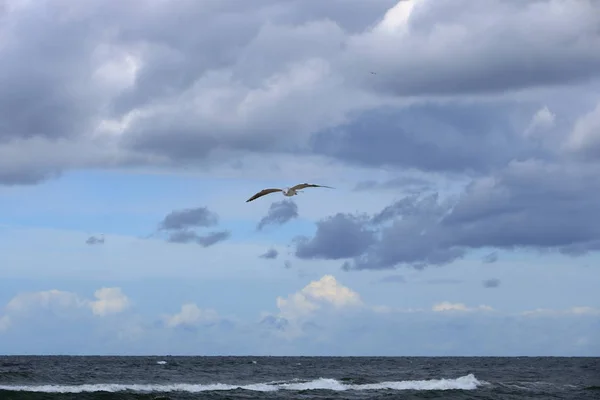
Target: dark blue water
{"points": [[105, 378]]}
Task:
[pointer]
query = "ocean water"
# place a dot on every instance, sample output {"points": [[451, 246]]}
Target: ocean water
{"points": [[140, 378]]}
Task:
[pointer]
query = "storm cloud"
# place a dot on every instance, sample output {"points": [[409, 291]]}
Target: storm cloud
{"points": [[528, 205], [185, 84], [339, 236], [500, 93], [410, 183]]}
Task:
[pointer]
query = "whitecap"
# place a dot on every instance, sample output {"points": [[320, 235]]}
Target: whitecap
{"points": [[467, 382]]}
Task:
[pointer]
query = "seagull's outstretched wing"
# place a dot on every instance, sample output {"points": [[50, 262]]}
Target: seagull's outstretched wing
{"points": [[262, 193], [307, 185]]}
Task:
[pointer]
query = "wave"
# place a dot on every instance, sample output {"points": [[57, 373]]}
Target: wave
{"points": [[467, 382]]}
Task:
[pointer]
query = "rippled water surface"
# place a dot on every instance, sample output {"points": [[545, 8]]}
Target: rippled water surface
{"points": [[84, 378]]}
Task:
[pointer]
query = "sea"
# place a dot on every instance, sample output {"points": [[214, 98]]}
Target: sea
{"points": [[185, 378]]}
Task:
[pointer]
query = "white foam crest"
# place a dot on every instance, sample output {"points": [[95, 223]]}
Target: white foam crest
{"points": [[467, 382]]}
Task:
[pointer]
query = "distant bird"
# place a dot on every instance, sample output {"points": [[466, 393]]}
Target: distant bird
{"points": [[288, 192], [373, 73]]}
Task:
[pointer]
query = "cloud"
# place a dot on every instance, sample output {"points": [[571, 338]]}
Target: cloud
{"points": [[446, 326], [296, 310], [448, 137], [339, 236], [542, 120], [435, 33], [324, 317], [325, 291], [491, 283], [188, 236], [406, 183], [271, 254], [491, 258], [156, 92], [448, 307], [189, 218], [191, 316], [571, 311], [213, 238], [65, 305], [279, 213], [92, 240], [584, 140], [109, 301], [484, 140], [179, 222], [54, 301], [532, 204]]}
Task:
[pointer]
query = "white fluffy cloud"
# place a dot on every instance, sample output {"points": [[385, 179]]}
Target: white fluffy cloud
{"points": [[63, 304], [191, 315], [322, 318], [447, 306], [56, 301], [109, 301], [326, 291]]}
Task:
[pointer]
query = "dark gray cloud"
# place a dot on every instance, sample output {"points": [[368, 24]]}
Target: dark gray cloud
{"points": [[271, 254], [188, 236], [85, 75], [337, 237], [405, 183], [491, 258], [493, 46], [530, 204], [212, 238], [58, 99], [178, 224], [186, 83], [491, 283], [533, 205], [454, 137], [189, 218], [182, 236], [28, 176], [92, 240], [279, 213], [188, 60]]}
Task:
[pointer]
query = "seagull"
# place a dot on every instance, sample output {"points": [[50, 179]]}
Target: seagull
{"points": [[288, 192]]}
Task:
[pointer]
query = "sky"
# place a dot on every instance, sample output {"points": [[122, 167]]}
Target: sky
{"points": [[461, 139]]}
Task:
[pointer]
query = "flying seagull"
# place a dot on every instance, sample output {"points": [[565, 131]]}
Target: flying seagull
{"points": [[288, 192]]}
